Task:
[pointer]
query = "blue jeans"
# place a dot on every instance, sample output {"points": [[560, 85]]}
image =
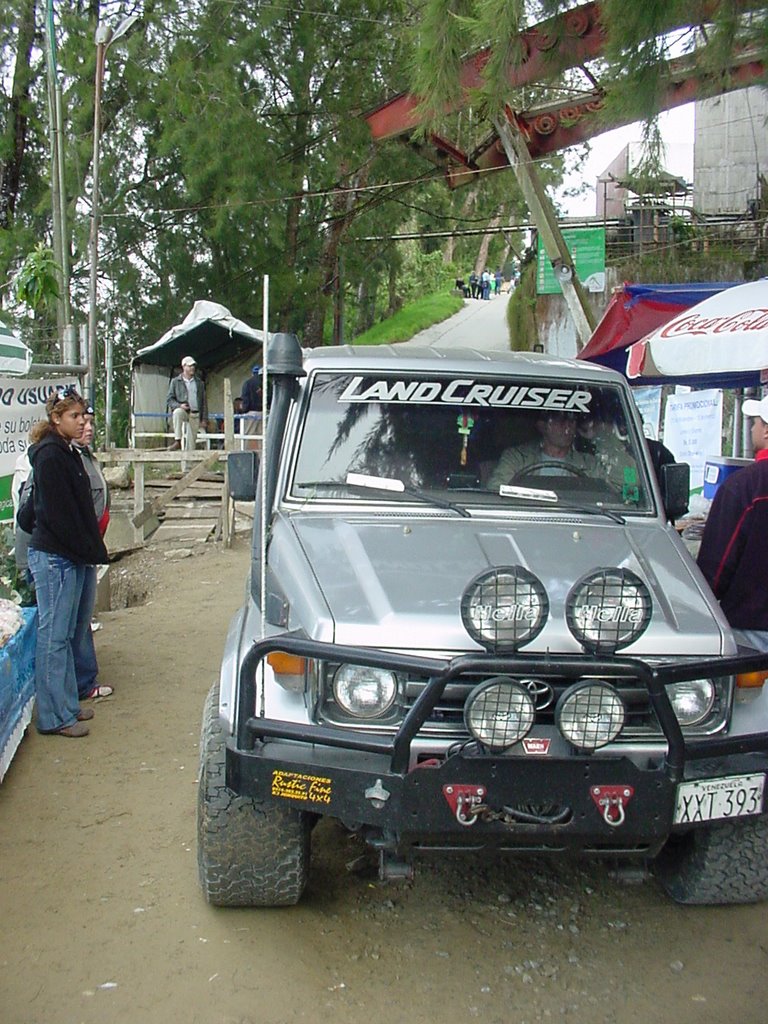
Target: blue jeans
{"points": [[83, 649], [58, 585]]}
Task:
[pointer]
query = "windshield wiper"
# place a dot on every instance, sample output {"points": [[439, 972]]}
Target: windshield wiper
{"points": [[595, 510], [523, 494], [388, 486], [393, 486]]}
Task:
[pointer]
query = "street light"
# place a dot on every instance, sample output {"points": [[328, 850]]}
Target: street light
{"points": [[104, 38]]}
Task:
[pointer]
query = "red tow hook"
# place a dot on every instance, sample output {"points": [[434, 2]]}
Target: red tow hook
{"points": [[462, 799], [611, 801]]}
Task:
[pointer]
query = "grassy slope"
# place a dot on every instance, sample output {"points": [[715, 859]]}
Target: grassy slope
{"points": [[412, 318]]}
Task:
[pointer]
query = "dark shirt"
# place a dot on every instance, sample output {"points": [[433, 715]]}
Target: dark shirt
{"points": [[660, 455], [251, 395], [734, 554], [65, 519]]}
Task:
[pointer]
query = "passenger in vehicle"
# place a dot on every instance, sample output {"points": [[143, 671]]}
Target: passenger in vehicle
{"points": [[606, 440], [553, 454]]}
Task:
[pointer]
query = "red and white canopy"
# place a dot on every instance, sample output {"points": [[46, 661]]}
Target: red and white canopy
{"points": [[727, 333]]}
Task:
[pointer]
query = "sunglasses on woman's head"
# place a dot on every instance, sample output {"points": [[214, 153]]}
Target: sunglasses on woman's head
{"points": [[67, 391]]}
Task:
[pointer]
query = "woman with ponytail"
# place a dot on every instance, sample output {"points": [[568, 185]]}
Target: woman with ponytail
{"points": [[64, 542]]}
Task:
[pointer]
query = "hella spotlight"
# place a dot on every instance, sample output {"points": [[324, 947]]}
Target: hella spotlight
{"points": [[504, 608], [608, 609], [499, 713], [590, 714]]}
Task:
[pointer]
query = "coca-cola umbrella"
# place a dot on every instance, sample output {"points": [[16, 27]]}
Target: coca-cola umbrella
{"points": [[723, 336]]}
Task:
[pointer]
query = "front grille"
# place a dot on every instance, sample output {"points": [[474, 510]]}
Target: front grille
{"points": [[447, 718], [448, 715]]}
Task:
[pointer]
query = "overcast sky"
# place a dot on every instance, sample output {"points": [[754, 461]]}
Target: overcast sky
{"points": [[677, 130]]}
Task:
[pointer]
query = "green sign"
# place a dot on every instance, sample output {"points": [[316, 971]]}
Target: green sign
{"points": [[587, 248]]}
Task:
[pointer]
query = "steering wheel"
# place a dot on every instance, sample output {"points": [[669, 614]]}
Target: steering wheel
{"points": [[537, 467]]}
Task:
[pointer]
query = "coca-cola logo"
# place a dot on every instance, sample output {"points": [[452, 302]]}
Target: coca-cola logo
{"points": [[695, 324]]}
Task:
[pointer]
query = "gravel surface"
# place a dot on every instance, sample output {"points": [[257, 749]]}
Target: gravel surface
{"points": [[103, 921]]}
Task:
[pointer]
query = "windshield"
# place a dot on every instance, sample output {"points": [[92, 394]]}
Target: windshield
{"points": [[478, 441]]}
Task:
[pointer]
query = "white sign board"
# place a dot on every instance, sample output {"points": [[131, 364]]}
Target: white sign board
{"points": [[22, 403], [693, 430], [648, 402]]}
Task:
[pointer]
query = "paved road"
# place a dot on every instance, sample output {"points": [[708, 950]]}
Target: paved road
{"points": [[480, 324]]}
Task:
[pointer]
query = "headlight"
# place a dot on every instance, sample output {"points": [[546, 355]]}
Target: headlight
{"points": [[364, 692], [504, 608], [499, 713], [608, 609], [590, 714], [692, 700]]}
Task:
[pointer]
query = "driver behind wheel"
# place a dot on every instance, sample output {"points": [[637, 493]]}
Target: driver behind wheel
{"points": [[553, 454]]}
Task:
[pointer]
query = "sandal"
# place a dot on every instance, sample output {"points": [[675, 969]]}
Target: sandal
{"points": [[99, 691]]}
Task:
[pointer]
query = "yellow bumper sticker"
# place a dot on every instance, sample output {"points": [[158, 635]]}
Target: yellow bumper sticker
{"points": [[295, 786]]}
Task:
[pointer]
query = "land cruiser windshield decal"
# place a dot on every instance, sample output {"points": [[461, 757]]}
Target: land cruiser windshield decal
{"points": [[465, 392]]}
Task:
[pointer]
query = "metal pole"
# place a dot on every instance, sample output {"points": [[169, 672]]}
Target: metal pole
{"points": [[103, 33], [55, 142], [108, 393], [263, 470]]}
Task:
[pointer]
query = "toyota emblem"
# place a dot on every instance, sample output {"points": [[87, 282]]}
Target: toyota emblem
{"points": [[541, 693]]}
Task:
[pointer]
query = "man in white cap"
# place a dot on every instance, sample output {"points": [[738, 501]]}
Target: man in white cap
{"points": [[734, 548], [187, 402]]}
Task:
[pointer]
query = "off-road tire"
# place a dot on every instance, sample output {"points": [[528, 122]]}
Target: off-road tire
{"points": [[250, 853], [719, 864]]}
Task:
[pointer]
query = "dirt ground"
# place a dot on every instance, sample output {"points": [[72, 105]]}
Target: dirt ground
{"points": [[101, 918]]}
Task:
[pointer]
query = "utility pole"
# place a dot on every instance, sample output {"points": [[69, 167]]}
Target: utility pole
{"points": [[103, 39], [58, 190], [543, 215]]}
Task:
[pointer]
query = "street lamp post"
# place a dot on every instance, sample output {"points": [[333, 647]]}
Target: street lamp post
{"points": [[104, 38]]}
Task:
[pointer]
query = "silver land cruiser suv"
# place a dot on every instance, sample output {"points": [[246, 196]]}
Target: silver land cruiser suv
{"points": [[470, 623]]}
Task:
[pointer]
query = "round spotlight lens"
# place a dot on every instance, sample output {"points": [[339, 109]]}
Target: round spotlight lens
{"points": [[504, 608], [590, 714], [692, 700], [364, 692], [499, 713], [608, 609]]}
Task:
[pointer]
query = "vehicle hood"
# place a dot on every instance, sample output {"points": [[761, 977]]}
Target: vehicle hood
{"points": [[396, 582]]}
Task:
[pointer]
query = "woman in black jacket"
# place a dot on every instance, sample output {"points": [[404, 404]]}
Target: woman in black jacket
{"points": [[65, 540]]}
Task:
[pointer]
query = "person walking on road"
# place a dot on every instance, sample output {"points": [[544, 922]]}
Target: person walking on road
{"points": [[734, 554]]}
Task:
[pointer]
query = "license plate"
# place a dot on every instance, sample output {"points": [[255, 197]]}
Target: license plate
{"points": [[715, 799]]}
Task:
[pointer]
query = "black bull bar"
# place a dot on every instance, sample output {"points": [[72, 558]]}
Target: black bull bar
{"points": [[251, 728]]}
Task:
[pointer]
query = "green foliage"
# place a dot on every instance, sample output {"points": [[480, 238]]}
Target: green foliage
{"points": [[521, 312], [36, 282], [413, 317]]}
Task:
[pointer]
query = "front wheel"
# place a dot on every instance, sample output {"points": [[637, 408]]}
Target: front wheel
{"points": [[250, 853], [720, 864]]}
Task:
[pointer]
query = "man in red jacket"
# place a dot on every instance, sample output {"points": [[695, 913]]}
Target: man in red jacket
{"points": [[734, 548]]}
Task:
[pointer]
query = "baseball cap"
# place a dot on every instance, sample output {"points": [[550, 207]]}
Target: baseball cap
{"points": [[756, 407], [256, 369], [188, 361]]}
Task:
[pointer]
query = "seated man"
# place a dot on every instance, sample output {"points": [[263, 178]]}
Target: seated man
{"points": [[603, 439], [555, 450]]}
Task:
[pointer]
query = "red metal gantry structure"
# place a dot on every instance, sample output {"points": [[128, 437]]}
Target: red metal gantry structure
{"points": [[567, 41]]}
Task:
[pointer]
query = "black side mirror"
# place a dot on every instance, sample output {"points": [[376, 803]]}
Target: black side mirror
{"points": [[242, 470], [675, 480]]}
